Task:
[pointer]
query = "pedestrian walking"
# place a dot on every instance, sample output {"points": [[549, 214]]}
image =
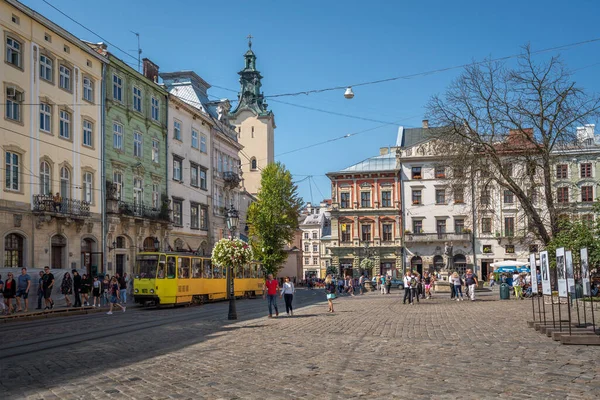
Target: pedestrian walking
{"points": [[77, 287], [350, 284], [341, 284], [86, 286], [456, 282], [378, 282], [105, 290], [388, 284], [408, 282], [48, 285], [518, 287], [271, 289], [96, 291], [287, 292], [427, 281], [471, 282], [9, 291], [383, 279], [492, 279], [40, 290], [114, 295], [129, 281], [330, 291], [23, 286], [66, 288], [123, 287], [361, 284]]}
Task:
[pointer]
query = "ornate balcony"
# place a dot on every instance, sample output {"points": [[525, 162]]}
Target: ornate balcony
{"points": [[232, 179], [143, 211], [438, 237], [46, 204]]}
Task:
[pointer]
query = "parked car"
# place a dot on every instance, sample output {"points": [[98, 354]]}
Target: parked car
{"points": [[397, 283]]}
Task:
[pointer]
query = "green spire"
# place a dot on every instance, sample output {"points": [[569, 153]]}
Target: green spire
{"points": [[250, 96]]}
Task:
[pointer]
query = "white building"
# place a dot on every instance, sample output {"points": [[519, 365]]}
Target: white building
{"points": [[312, 230]]}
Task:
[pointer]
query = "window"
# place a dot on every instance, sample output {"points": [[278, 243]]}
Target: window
{"points": [[509, 197], [509, 226], [562, 171], [65, 78], [305, 235], [486, 225], [65, 124], [177, 216], [365, 199], [440, 226], [88, 180], [345, 200], [45, 178], [155, 106], [194, 217], [138, 141], [509, 249], [562, 195], [16, 19], [315, 248], [507, 167], [417, 226], [459, 194], [440, 172], [117, 136], [177, 130], [253, 165], [13, 52], [416, 172], [315, 260], [485, 197], [65, 183], [203, 178], [138, 200], [12, 171], [533, 248], [306, 247], [14, 98], [366, 233], [118, 182], [306, 260], [204, 217], [314, 235], [203, 143], [417, 196], [137, 99], [117, 88], [155, 150], [586, 170], [177, 168], [155, 196], [459, 172], [45, 117], [88, 129], [194, 139], [533, 195], [588, 220], [487, 249], [386, 198], [346, 232], [440, 196], [587, 193], [13, 251], [194, 175], [387, 232], [88, 90], [47, 38], [46, 65], [459, 226]]}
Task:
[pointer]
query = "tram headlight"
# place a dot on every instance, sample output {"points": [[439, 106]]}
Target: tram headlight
{"points": [[151, 290], [136, 291]]}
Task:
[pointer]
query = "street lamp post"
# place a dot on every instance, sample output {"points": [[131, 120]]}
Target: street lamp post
{"points": [[233, 219]]}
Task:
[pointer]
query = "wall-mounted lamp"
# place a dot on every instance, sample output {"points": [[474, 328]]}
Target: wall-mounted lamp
{"points": [[114, 246]]}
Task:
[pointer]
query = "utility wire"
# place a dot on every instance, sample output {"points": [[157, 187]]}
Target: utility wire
{"points": [[431, 72]]}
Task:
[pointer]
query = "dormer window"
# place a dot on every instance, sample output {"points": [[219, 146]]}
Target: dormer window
{"points": [[416, 173]]}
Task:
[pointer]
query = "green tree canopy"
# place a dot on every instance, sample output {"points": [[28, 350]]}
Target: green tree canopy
{"points": [[273, 218]]}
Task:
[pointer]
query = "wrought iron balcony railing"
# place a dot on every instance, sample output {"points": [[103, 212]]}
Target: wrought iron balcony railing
{"points": [[48, 204], [433, 237], [143, 211]]}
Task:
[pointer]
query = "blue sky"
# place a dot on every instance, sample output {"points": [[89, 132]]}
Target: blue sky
{"points": [[305, 45]]}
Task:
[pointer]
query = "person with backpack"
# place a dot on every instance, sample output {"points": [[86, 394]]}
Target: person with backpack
{"points": [[456, 282], [388, 284], [408, 282], [471, 282]]}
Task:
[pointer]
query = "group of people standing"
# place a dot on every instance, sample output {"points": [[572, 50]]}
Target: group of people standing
{"points": [[417, 286]]}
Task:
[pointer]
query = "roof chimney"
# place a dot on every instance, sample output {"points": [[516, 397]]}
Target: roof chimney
{"points": [[383, 151], [425, 123], [150, 70]]}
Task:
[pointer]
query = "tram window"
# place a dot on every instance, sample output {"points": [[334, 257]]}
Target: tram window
{"points": [[239, 272], [260, 271], [184, 268], [197, 268], [253, 270], [247, 271], [224, 276], [217, 271], [171, 270], [161, 269], [207, 269]]}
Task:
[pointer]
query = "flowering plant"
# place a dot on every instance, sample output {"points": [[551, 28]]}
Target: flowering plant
{"points": [[366, 263], [231, 252]]}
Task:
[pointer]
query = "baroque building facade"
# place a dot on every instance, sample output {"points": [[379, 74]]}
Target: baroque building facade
{"points": [[254, 124], [313, 226], [366, 217], [50, 133]]}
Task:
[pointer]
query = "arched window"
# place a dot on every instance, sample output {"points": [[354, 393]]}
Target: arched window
{"points": [[13, 251], [149, 244], [253, 164], [65, 183], [45, 178], [416, 263], [120, 242], [88, 180], [438, 262]]}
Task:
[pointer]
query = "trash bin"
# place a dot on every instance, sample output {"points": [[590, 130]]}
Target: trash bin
{"points": [[504, 292]]}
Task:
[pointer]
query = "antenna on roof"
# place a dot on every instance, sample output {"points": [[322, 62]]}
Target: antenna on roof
{"points": [[139, 50]]}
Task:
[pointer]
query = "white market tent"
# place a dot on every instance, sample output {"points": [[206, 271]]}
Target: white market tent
{"points": [[509, 263]]}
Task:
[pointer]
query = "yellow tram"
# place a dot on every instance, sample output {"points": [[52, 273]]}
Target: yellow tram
{"points": [[183, 278]]}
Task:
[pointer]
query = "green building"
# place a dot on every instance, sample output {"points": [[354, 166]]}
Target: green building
{"points": [[137, 214]]}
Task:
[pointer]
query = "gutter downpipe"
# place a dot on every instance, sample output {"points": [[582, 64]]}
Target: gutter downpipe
{"points": [[103, 173], [474, 231]]}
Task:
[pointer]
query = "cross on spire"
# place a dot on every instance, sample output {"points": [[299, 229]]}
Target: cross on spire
{"points": [[249, 37]]}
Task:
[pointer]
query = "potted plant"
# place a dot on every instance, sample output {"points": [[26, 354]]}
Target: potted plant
{"points": [[466, 230], [233, 253]]}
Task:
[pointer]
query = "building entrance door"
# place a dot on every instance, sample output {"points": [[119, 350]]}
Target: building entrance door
{"points": [[59, 244], [120, 267], [485, 269]]}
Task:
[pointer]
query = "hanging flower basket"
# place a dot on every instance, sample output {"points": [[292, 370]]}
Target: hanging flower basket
{"points": [[366, 263], [231, 252]]}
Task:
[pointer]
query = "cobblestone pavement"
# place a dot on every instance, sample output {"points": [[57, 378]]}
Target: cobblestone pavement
{"points": [[373, 346]]}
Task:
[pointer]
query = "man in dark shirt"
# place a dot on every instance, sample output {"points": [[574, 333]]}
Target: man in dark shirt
{"points": [[48, 284], [40, 290], [77, 287], [122, 288]]}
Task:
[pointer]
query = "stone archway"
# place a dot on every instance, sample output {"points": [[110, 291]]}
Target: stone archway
{"points": [[416, 264]]}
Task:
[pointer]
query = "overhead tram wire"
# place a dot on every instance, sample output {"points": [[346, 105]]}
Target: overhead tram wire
{"points": [[431, 72], [317, 186]]}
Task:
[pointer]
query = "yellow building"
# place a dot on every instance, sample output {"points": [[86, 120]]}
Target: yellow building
{"points": [[51, 138]]}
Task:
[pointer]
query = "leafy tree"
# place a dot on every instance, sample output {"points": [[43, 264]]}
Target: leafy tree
{"points": [[273, 218]]}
